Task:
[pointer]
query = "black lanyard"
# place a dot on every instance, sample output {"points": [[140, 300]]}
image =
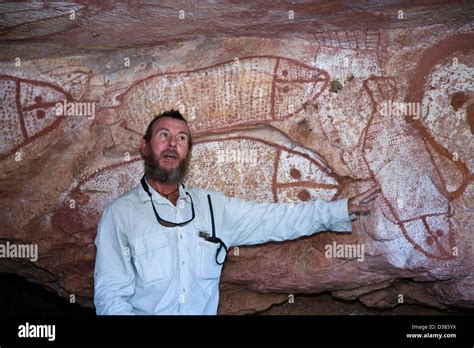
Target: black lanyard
{"points": [[160, 220], [212, 239]]}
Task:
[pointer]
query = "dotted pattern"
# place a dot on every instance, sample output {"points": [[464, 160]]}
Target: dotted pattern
{"points": [[412, 195], [27, 111], [250, 90], [261, 171], [11, 134]]}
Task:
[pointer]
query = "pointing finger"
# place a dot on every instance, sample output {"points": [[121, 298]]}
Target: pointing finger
{"points": [[360, 208]]}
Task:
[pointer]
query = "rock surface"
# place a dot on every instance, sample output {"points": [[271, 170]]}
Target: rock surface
{"points": [[319, 106]]}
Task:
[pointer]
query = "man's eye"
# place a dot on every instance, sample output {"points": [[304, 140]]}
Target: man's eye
{"points": [[163, 135], [182, 138]]}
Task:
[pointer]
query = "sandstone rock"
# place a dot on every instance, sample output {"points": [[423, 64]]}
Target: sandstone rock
{"points": [[324, 304], [237, 300]]}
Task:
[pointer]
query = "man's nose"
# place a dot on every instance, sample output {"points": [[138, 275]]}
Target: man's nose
{"points": [[172, 142]]}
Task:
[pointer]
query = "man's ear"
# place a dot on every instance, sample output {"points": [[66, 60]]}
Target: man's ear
{"points": [[143, 147]]}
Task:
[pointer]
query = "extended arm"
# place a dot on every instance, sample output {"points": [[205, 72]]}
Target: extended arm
{"points": [[247, 223]]}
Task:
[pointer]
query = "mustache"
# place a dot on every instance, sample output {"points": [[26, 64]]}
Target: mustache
{"points": [[169, 153]]}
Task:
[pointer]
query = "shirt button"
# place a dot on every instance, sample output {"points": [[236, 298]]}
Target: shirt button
{"points": [[183, 290], [183, 262], [181, 236]]}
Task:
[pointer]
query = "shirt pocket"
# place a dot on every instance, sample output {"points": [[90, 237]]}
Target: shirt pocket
{"points": [[152, 258], [208, 267]]}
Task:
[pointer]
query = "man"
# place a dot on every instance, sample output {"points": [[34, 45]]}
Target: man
{"points": [[160, 246]]}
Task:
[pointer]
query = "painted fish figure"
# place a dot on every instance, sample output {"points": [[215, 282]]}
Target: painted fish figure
{"points": [[246, 91], [261, 165], [27, 111], [28, 107]]}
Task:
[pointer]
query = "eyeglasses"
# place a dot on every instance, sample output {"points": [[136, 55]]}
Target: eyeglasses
{"points": [[161, 221]]}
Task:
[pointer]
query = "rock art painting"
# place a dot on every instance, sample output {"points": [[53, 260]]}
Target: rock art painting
{"points": [[265, 165], [81, 209], [27, 106], [413, 193], [355, 40], [245, 91], [443, 84], [261, 165], [341, 113], [27, 111], [350, 54]]}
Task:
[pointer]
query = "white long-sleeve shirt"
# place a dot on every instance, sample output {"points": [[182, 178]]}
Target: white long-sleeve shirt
{"points": [[143, 267]]}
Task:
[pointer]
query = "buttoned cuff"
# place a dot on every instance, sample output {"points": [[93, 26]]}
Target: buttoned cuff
{"points": [[341, 220]]}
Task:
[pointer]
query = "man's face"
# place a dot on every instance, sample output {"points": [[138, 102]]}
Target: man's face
{"points": [[166, 155]]}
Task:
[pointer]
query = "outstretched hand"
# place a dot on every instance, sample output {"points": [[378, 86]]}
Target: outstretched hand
{"points": [[360, 204]]}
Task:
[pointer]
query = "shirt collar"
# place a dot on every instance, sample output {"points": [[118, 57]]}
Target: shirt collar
{"points": [[159, 198]]}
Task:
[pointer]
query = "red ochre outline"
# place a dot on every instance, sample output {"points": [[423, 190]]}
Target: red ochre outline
{"points": [[322, 36], [77, 190], [280, 148], [20, 109], [380, 35], [273, 117], [75, 69], [398, 221], [102, 170], [433, 55]]}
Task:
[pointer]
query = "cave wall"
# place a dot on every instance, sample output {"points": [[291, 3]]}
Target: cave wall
{"points": [[324, 115]]}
